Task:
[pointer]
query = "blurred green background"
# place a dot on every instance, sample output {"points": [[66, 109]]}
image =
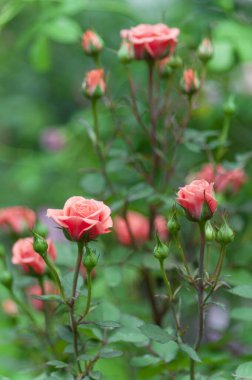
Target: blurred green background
{"points": [[45, 151]]}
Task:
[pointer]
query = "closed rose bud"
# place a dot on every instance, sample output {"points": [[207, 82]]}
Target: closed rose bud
{"points": [[190, 82], [161, 250], [6, 279], [225, 234], [209, 231], [90, 259], [125, 53], [175, 62], [173, 224], [94, 85], [229, 106], [92, 43], [40, 245], [164, 68], [205, 50]]}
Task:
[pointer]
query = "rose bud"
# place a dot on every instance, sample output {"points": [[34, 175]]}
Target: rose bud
{"points": [[197, 199], [173, 224], [151, 42], [175, 62], [205, 50], [94, 85], [190, 82], [209, 231], [225, 234], [164, 68], [125, 53], [92, 43], [90, 259], [40, 245], [23, 254], [161, 250], [82, 219], [229, 107]]}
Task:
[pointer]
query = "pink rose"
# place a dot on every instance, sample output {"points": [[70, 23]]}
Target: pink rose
{"points": [[83, 218], [17, 218], [160, 226], [94, 85], [23, 254], [91, 42], [151, 41], [138, 225], [35, 290], [223, 179], [194, 196]]}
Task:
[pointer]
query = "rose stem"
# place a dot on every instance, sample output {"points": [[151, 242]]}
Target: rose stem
{"points": [[200, 290], [98, 147], [72, 302], [55, 276]]}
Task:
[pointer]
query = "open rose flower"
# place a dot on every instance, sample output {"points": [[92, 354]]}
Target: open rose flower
{"points": [[151, 41], [224, 180], [23, 254], [197, 199], [94, 85], [92, 42], [82, 218], [17, 218], [138, 227]]}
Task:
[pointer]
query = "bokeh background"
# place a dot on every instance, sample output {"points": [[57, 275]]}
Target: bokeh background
{"points": [[45, 152]]}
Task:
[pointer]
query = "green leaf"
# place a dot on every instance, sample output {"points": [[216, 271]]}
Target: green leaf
{"points": [[190, 352], [95, 375], [242, 314], [49, 298], [166, 351], [108, 324], [244, 371], [86, 357], [145, 360], [63, 29], [108, 353], [155, 332], [131, 335], [57, 364], [244, 291], [40, 54]]}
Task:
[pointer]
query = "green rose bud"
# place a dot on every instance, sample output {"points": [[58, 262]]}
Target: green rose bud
{"points": [[225, 234], [209, 231], [39, 244], [173, 224], [205, 50], [161, 250], [90, 259], [229, 106]]}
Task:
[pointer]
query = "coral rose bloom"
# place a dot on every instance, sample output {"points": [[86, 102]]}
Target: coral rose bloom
{"points": [[23, 254], [151, 41], [17, 218], [83, 218], [138, 225], [192, 198]]}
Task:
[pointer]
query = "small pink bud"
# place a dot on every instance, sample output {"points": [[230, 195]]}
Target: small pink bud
{"points": [[190, 82], [92, 43], [94, 85], [205, 50]]}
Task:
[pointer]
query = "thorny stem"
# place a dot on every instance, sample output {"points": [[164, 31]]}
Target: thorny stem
{"points": [[200, 290], [98, 146], [217, 272], [89, 283], [55, 276]]}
